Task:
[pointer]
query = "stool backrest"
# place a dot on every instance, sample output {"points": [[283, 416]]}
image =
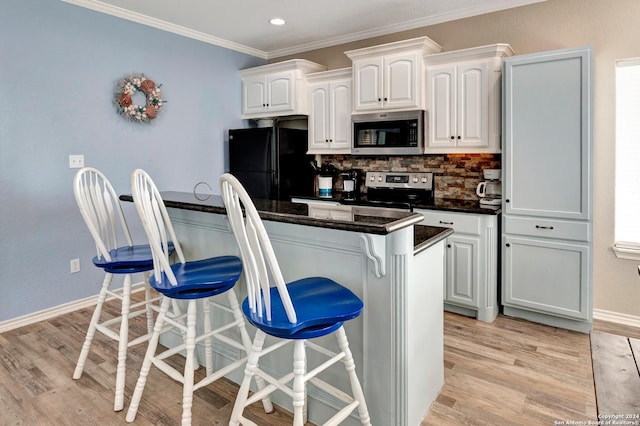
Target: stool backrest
{"points": [[258, 258], [156, 223], [101, 210]]}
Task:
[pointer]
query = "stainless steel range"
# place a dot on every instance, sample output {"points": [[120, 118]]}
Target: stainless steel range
{"points": [[402, 190]]}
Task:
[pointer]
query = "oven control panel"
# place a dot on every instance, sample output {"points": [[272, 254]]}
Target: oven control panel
{"points": [[406, 180]]}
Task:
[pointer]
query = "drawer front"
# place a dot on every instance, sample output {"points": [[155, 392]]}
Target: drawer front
{"points": [[548, 228], [465, 223], [321, 211]]}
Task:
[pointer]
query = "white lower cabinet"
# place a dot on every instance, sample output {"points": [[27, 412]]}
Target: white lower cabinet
{"points": [[471, 262], [547, 276], [462, 253]]}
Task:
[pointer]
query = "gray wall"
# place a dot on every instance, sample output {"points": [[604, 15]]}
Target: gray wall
{"points": [[59, 66]]}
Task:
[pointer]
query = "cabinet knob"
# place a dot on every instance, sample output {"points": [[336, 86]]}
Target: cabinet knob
{"points": [[459, 137], [385, 99], [326, 140], [379, 99], [543, 227], [453, 137], [508, 245], [449, 245], [506, 201]]}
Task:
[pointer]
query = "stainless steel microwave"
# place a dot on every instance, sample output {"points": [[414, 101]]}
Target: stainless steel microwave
{"points": [[388, 133]]}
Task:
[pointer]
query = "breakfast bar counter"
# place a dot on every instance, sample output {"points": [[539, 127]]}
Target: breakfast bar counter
{"points": [[395, 266]]}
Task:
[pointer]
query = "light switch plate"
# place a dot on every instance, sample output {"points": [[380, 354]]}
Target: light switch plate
{"points": [[76, 161]]}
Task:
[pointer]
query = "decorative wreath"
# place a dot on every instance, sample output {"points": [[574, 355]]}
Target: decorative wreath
{"points": [[125, 90]]}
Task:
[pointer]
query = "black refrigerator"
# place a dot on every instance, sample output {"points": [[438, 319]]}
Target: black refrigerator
{"points": [[271, 162]]}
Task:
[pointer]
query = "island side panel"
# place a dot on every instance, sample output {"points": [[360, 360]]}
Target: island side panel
{"points": [[425, 331]]}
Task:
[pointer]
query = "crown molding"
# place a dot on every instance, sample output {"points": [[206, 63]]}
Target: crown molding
{"points": [[404, 26], [119, 12], [166, 26]]}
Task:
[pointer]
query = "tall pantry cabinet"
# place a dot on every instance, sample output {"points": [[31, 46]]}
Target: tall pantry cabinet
{"points": [[547, 241]]}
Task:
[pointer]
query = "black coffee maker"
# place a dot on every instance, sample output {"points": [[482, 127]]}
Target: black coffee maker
{"points": [[351, 184]]}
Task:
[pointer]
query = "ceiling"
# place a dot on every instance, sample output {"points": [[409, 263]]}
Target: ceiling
{"points": [[243, 25]]}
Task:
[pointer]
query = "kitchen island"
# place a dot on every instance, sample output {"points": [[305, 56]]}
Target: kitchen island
{"points": [[393, 265]]}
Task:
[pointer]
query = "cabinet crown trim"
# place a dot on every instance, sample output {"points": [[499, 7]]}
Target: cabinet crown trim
{"points": [[424, 44], [499, 50], [330, 74], [292, 64]]}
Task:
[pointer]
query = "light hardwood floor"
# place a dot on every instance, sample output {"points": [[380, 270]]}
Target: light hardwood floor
{"points": [[510, 372]]}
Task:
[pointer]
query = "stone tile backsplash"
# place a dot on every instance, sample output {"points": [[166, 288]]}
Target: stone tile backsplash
{"points": [[455, 175]]}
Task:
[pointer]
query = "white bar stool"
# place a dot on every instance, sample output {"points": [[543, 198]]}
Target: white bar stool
{"points": [[191, 282], [102, 213], [294, 312]]}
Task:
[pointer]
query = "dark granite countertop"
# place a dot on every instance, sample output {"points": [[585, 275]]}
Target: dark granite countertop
{"points": [[461, 206], [426, 236], [365, 219], [448, 204]]}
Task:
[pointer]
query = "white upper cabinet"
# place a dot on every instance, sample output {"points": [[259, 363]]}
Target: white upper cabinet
{"points": [[390, 76], [276, 89], [464, 108], [458, 105], [330, 112]]}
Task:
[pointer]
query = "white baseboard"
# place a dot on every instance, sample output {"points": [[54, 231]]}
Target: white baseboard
{"points": [[616, 317], [599, 314], [46, 314]]}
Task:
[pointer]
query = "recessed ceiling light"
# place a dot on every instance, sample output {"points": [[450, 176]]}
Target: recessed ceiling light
{"points": [[277, 21]]}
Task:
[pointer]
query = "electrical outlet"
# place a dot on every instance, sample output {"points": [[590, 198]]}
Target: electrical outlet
{"points": [[74, 265], [76, 161]]}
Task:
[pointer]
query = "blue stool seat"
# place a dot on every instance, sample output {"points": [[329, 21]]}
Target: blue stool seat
{"points": [[128, 259], [322, 305], [200, 278]]}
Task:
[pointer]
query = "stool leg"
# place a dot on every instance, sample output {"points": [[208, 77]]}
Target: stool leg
{"points": [[148, 296], [246, 341], [190, 344], [123, 343], [249, 372], [91, 331], [148, 359], [177, 312], [208, 350], [350, 366], [299, 370]]}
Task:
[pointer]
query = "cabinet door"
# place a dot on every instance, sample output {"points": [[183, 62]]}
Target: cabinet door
{"points": [[340, 115], [280, 91], [368, 84], [401, 83], [462, 270], [319, 116], [547, 276], [442, 106], [472, 105], [547, 149], [254, 91]]}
